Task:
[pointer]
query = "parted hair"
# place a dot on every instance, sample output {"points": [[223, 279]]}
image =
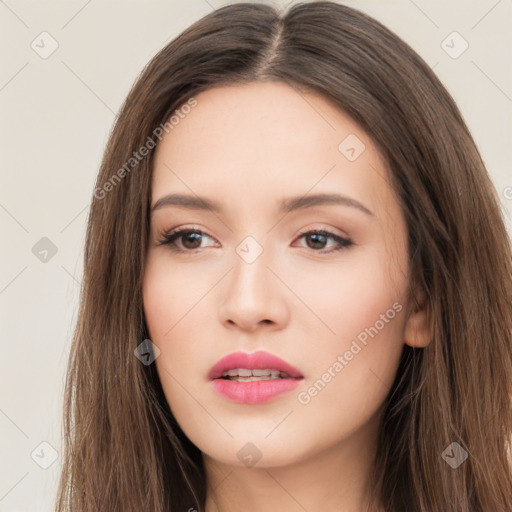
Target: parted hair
{"points": [[124, 451]]}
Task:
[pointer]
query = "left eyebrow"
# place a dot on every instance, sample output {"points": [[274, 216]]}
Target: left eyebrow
{"points": [[287, 205], [301, 202]]}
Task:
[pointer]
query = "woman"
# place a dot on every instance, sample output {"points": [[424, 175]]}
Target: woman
{"points": [[340, 337]]}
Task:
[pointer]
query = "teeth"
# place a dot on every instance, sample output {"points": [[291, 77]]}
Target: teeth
{"points": [[252, 379], [260, 373], [247, 375]]}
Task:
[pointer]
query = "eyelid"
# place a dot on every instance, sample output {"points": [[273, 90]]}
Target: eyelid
{"points": [[178, 232], [323, 228]]}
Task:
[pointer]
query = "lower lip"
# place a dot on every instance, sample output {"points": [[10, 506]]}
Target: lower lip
{"points": [[256, 392]]}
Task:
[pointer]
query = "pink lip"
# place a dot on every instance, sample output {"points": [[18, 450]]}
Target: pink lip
{"points": [[257, 391], [256, 361]]}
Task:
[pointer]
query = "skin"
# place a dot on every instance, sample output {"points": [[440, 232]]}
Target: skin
{"points": [[248, 147]]}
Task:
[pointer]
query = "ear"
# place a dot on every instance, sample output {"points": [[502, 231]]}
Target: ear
{"points": [[417, 332]]}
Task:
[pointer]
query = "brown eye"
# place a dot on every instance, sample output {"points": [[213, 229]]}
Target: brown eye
{"points": [[319, 239], [190, 240]]}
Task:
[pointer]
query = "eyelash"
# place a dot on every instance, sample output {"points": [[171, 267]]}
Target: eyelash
{"points": [[170, 238]]}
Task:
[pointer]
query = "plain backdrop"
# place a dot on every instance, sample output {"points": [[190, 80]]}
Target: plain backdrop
{"points": [[56, 114]]}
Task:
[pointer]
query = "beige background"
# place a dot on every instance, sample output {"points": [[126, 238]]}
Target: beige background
{"points": [[56, 116]]}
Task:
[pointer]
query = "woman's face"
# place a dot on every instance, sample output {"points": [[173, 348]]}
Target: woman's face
{"points": [[333, 305]]}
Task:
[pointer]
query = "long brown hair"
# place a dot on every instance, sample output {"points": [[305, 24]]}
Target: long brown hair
{"points": [[124, 450]]}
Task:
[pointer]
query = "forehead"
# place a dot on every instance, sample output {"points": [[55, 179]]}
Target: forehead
{"points": [[256, 142]]}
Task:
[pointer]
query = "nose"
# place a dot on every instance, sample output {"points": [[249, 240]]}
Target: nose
{"points": [[252, 296]]}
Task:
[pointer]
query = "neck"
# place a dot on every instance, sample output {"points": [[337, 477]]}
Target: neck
{"points": [[332, 480]]}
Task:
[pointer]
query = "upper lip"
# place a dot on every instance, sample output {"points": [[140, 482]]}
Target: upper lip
{"points": [[257, 360]]}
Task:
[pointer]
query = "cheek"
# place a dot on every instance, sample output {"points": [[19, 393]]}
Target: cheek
{"points": [[175, 317], [353, 371], [363, 306], [160, 306], [352, 295], [168, 296]]}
